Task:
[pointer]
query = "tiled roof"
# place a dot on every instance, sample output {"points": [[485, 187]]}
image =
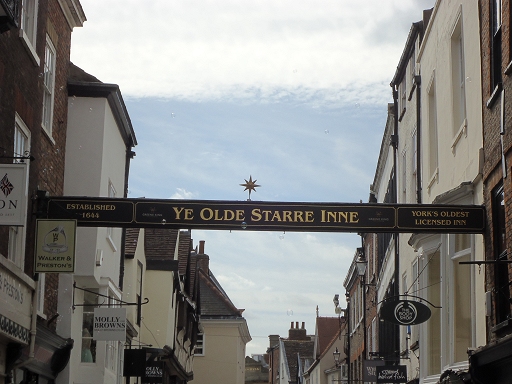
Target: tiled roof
{"points": [[160, 243], [326, 329], [78, 74], [214, 301], [130, 241], [295, 349]]}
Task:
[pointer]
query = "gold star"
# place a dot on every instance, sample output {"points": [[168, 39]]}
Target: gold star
{"points": [[250, 185]]}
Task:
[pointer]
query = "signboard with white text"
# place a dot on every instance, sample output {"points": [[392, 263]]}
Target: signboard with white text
{"points": [[13, 194]]}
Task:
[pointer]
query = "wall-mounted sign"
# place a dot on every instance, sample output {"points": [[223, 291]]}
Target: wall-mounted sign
{"points": [[392, 374], [13, 194], [109, 324], [55, 246], [405, 312], [268, 216]]}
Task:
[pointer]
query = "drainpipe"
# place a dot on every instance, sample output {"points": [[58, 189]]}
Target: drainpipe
{"points": [[417, 80], [394, 142], [33, 327]]}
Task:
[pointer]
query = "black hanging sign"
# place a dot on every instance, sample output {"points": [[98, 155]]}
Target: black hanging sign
{"points": [[267, 216], [405, 312], [392, 374]]}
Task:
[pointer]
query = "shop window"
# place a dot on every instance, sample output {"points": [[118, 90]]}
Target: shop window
{"points": [[88, 344]]}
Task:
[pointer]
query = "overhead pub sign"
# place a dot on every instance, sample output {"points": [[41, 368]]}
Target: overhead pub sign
{"points": [[268, 216]]}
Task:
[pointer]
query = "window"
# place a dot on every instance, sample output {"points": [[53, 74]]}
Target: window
{"points": [[404, 177], [110, 230], [28, 30], [414, 162], [433, 337], [199, 348], [40, 295], [432, 131], [403, 95], [88, 344], [501, 280], [49, 86], [496, 18], [461, 298], [16, 248], [458, 78]]}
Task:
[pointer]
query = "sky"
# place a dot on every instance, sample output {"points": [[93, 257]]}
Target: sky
{"points": [[291, 93]]}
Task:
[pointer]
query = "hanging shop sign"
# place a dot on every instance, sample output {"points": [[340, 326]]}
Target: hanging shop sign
{"points": [[55, 246], [154, 372], [269, 216], [405, 312], [392, 374], [109, 324], [370, 370], [13, 194]]}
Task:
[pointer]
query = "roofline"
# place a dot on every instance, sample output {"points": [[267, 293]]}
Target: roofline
{"points": [[112, 93], [415, 30]]}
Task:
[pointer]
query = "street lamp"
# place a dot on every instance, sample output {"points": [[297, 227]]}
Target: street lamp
{"points": [[361, 265], [336, 355]]}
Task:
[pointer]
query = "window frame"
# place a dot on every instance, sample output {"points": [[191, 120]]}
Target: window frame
{"points": [[28, 28], [50, 58]]}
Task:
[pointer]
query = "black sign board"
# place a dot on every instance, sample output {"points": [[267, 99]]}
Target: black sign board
{"points": [[268, 216], [405, 312], [154, 372], [392, 374]]}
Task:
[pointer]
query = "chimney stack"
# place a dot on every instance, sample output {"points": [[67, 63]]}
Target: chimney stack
{"points": [[297, 333]]}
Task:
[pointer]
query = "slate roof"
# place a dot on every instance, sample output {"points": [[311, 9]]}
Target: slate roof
{"points": [[295, 350], [215, 303]]}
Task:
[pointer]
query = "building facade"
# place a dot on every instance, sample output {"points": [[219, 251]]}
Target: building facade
{"points": [[35, 44]]}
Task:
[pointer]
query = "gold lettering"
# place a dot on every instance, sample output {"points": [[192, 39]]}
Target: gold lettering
{"points": [[287, 216], [178, 212], [309, 216], [256, 215], [298, 216], [354, 217], [276, 216], [189, 214], [240, 215], [206, 210]]}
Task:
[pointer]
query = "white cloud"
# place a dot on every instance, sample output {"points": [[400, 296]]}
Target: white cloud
{"points": [[200, 50]]}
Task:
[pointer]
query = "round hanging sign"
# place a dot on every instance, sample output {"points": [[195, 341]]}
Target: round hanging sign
{"points": [[405, 312]]}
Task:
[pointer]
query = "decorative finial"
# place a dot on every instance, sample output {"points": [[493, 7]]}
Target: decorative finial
{"points": [[250, 185]]}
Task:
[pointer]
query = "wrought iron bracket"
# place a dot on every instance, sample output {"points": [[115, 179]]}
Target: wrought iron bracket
{"points": [[124, 303]]}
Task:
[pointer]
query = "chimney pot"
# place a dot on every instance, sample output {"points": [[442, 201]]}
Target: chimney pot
{"points": [[303, 325], [297, 325], [291, 325], [201, 247]]}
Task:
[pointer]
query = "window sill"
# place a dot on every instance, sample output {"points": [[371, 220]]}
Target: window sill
{"points": [[508, 70], [494, 96], [433, 179], [30, 48], [48, 135], [110, 241], [402, 114], [462, 131], [502, 325]]}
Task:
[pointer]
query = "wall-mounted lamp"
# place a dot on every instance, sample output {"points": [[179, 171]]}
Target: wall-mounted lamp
{"points": [[336, 355], [361, 262]]}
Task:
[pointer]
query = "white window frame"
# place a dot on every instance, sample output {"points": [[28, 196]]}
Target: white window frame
{"points": [[48, 86], [433, 155], [28, 28], [41, 294], [199, 349], [110, 230], [404, 177], [458, 80], [17, 235]]}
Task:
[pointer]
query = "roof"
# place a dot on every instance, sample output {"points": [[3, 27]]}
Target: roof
{"points": [[130, 242], [215, 303], [327, 328], [295, 350]]}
